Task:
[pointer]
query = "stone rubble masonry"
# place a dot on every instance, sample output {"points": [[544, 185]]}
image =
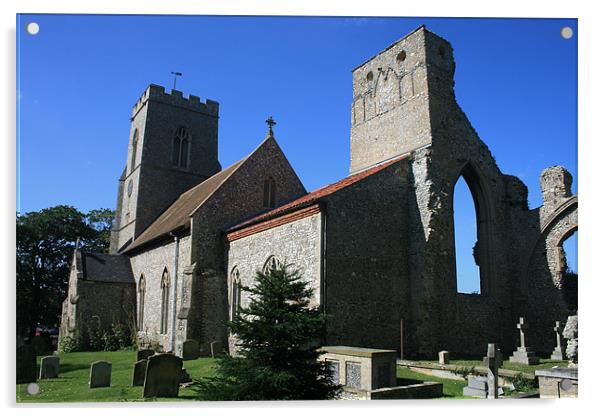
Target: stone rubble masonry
{"points": [[380, 251], [156, 183]]}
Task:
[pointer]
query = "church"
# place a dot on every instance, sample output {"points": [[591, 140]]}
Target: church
{"points": [[377, 246]]}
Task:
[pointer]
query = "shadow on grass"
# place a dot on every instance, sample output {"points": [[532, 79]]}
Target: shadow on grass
{"points": [[66, 368]]}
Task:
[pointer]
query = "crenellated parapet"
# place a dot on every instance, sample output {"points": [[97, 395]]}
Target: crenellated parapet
{"points": [[192, 102]]}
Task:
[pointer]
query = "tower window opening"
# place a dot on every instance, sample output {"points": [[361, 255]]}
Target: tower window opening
{"points": [[181, 146]]}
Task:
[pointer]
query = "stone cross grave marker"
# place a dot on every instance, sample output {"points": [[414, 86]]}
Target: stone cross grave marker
{"points": [[26, 364], [443, 357], [100, 374], [139, 373], [49, 367], [557, 354], [523, 354], [162, 376], [144, 354], [493, 361]]}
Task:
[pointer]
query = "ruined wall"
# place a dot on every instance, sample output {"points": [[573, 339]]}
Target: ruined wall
{"points": [[151, 262], [542, 280], [366, 279], [298, 243]]}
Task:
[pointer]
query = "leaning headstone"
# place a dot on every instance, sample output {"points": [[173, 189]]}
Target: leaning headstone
{"points": [[139, 373], [523, 354], [557, 354], [100, 374], [477, 387], [144, 354], [49, 367], [443, 357], [163, 374], [190, 349], [492, 361], [571, 334], [26, 364]]}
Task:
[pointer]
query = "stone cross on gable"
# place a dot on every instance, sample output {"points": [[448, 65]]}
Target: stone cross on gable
{"points": [[522, 325], [493, 361], [271, 123]]}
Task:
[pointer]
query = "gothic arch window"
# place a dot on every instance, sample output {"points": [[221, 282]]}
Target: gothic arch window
{"points": [[272, 263], [269, 193], [235, 292], [472, 234], [134, 150], [164, 300], [181, 146], [141, 296]]}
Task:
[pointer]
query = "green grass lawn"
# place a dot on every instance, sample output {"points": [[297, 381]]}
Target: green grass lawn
{"points": [[452, 389], [72, 383], [507, 365]]}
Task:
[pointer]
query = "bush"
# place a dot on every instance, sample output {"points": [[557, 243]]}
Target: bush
{"points": [[523, 384], [70, 343], [123, 335], [278, 335], [95, 341]]}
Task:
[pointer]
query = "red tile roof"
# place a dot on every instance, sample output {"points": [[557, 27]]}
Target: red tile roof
{"points": [[316, 195]]}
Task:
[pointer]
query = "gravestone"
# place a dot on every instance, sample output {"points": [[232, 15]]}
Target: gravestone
{"points": [[477, 387], [523, 354], [26, 364], [144, 354], [163, 374], [443, 357], [557, 354], [49, 367], [139, 373], [492, 361], [571, 334], [100, 374], [216, 348], [190, 350]]}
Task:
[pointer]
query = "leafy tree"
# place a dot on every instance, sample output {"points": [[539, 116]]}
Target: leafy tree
{"points": [[45, 244], [278, 335]]}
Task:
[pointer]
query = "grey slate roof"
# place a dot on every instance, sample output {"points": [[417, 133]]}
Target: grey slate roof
{"points": [[113, 268]]}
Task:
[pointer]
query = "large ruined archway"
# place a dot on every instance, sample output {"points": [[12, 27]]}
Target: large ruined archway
{"points": [[543, 280]]}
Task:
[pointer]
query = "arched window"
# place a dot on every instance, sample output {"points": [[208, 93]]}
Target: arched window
{"points": [[272, 263], [235, 292], [134, 150], [164, 301], [269, 193], [141, 295], [473, 234], [468, 278], [568, 269], [181, 145]]}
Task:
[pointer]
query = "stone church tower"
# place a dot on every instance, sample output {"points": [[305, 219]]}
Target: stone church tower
{"points": [[172, 147]]}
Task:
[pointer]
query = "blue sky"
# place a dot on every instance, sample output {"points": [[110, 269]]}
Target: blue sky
{"points": [[78, 78]]}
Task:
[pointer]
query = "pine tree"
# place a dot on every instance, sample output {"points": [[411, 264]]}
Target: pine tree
{"points": [[278, 335]]}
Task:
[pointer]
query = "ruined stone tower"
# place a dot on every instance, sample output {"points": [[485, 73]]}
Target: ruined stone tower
{"points": [[172, 147], [395, 95]]}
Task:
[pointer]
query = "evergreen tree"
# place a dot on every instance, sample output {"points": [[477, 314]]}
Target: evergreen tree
{"points": [[278, 336]]}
